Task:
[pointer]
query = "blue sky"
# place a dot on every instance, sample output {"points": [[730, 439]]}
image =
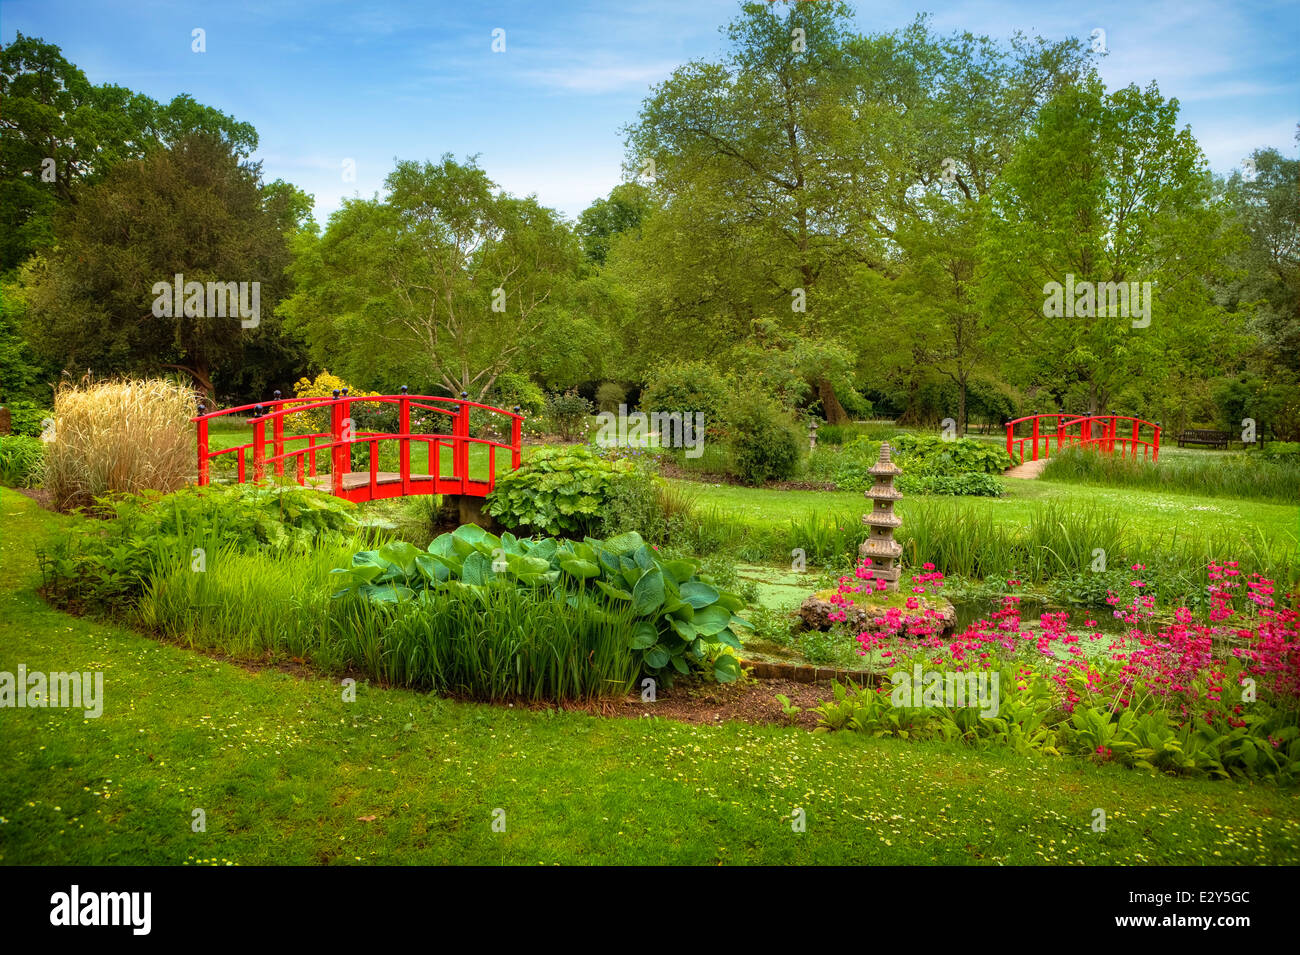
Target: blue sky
{"points": [[325, 82]]}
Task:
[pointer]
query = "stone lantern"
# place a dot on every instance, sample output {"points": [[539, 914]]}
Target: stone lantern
{"points": [[886, 553]]}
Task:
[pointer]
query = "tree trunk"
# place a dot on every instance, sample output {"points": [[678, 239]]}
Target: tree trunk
{"points": [[203, 379], [961, 408], [834, 411]]}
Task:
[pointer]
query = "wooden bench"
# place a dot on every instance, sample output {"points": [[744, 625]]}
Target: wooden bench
{"points": [[1213, 439]]}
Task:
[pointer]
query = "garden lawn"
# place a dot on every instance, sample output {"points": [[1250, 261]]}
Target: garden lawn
{"points": [[286, 771], [1156, 511]]}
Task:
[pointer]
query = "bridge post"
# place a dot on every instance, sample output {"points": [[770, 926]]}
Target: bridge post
{"points": [[516, 438], [404, 444], [259, 445], [1035, 457], [277, 436], [203, 445], [337, 469], [1156, 455], [1010, 428], [460, 431]]}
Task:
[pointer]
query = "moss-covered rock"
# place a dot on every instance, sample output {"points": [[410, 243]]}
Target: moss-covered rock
{"points": [[871, 612]]}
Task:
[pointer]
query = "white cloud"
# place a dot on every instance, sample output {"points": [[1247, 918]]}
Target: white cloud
{"points": [[600, 78]]}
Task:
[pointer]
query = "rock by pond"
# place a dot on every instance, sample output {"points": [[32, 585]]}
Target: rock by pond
{"points": [[872, 613]]}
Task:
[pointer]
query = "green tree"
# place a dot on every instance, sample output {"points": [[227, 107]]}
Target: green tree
{"points": [[622, 211], [193, 209], [60, 130], [461, 277], [789, 179], [1106, 189]]}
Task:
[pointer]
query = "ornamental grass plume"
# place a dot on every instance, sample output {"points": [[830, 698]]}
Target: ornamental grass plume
{"points": [[124, 435]]}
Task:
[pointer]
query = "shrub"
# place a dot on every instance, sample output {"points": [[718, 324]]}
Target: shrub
{"points": [[858, 407], [21, 458], [633, 504], [971, 484], [851, 472], [26, 417], [677, 615], [119, 436], [765, 443], [569, 415], [323, 386], [511, 389], [558, 491], [687, 387], [1281, 450], [610, 395], [931, 454]]}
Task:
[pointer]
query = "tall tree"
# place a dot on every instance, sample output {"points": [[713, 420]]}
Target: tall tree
{"points": [[1106, 189], [462, 277], [786, 174], [60, 130], [193, 209]]}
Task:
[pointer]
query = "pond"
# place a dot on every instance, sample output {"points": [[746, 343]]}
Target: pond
{"points": [[782, 590]]}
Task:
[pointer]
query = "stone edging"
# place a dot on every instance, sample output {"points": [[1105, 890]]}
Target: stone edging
{"points": [[801, 673]]}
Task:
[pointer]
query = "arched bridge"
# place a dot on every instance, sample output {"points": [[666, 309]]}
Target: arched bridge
{"points": [[288, 440], [1107, 433]]}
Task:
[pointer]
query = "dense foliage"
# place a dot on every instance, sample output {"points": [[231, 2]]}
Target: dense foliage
{"points": [[21, 458], [106, 564], [681, 620], [1218, 698], [558, 491], [568, 414], [928, 454], [766, 445], [970, 483]]}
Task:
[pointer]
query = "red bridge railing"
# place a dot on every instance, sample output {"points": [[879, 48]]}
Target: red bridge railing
{"points": [[1106, 433], [268, 423]]}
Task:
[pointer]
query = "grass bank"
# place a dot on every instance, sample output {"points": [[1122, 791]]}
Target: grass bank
{"points": [[287, 772]]}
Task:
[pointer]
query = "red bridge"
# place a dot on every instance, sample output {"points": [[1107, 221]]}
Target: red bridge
{"points": [[296, 452], [1103, 432]]}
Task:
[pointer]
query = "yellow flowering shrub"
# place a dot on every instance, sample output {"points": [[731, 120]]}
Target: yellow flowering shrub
{"points": [[324, 386]]}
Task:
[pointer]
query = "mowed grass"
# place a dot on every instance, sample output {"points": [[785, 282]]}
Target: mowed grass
{"points": [[287, 772], [1151, 510]]}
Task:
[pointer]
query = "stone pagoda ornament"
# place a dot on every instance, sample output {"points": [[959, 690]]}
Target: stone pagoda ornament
{"points": [[886, 553]]}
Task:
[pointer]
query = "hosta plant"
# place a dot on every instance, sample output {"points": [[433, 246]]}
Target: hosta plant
{"points": [[681, 620], [558, 491]]}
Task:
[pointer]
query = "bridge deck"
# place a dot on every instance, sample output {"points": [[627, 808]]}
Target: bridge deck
{"points": [[355, 479]]}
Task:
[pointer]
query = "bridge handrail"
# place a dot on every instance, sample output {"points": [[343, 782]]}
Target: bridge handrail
{"points": [[1058, 425], [366, 437], [344, 399], [341, 437]]}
